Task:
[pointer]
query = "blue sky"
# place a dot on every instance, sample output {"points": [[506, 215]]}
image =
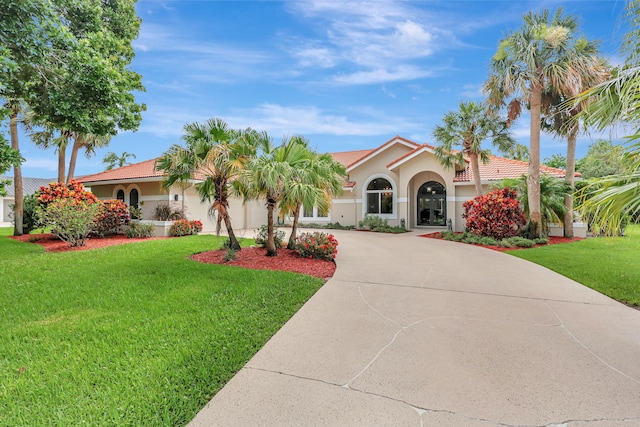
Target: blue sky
{"points": [[346, 75]]}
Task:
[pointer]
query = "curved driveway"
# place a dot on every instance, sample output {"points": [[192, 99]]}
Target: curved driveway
{"points": [[421, 332]]}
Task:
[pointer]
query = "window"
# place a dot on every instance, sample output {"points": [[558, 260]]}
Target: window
{"points": [[120, 195], [314, 212], [379, 197]]}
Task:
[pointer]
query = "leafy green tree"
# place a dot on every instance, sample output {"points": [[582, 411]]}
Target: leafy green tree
{"points": [[544, 54], [517, 152], [112, 160], [462, 133], [216, 155], [557, 161], [8, 158], [602, 159], [552, 194], [268, 177]]}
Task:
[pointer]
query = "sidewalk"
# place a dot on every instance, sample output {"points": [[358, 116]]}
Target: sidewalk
{"points": [[422, 332]]}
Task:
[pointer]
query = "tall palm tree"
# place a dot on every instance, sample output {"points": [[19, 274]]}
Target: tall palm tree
{"points": [[215, 155], [314, 183], [269, 176], [561, 120], [14, 107], [462, 134], [544, 53], [88, 142], [112, 160]]}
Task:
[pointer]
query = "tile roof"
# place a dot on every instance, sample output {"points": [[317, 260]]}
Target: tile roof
{"points": [[29, 185], [372, 152], [349, 157], [499, 168], [139, 170]]}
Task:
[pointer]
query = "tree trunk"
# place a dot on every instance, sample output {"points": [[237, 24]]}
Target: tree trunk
{"points": [[77, 144], [569, 178], [18, 212], [294, 228], [475, 166], [61, 162], [533, 180], [235, 245], [271, 244]]}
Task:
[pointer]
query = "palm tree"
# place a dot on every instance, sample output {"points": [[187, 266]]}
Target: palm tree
{"points": [[561, 121], [14, 107], [270, 175], [216, 155], [314, 183], [552, 195], [543, 54], [462, 134], [112, 160]]}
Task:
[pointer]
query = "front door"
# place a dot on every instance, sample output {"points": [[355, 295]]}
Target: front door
{"points": [[432, 204]]}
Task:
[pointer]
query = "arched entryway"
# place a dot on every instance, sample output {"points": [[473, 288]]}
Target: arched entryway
{"points": [[432, 204]]}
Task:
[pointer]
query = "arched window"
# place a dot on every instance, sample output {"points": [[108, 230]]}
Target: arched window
{"points": [[120, 195], [379, 197], [133, 199]]}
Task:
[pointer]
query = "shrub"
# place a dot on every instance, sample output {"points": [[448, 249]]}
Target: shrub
{"points": [[29, 218], [69, 219], [112, 214], [497, 214], [139, 230], [317, 245], [541, 241], [519, 242], [184, 227], [165, 212], [59, 190], [374, 223], [278, 237], [230, 255]]}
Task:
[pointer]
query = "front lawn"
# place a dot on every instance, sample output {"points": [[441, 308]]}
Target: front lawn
{"points": [[607, 264], [136, 334]]}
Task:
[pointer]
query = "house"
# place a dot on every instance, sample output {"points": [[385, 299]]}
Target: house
{"points": [[400, 180], [29, 186]]}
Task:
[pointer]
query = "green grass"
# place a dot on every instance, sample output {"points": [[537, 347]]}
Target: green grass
{"points": [[607, 264], [136, 334]]}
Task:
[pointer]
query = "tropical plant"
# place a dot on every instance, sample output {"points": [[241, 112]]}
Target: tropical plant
{"points": [[166, 212], [496, 214], [544, 55], [184, 227], [112, 160], [518, 152], [217, 155], [262, 237], [139, 230], [70, 220], [112, 214], [270, 175], [317, 245], [602, 159], [557, 161], [462, 133], [552, 195]]}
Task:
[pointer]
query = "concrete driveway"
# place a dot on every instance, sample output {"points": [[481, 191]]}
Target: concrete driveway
{"points": [[421, 332]]}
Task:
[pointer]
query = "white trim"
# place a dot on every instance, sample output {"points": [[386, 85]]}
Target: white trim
{"points": [[394, 165], [124, 181], [382, 148], [403, 200], [344, 201], [117, 188], [166, 198], [315, 216], [458, 198], [394, 192]]}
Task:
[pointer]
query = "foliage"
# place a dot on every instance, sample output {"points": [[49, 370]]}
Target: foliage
{"points": [[70, 220], [30, 217], [112, 160], [462, 133], [517, 152], [141, 325], [165, 212], [496, 214], [278, 237], [218, 154], [185, 227], [230, 255], [317, 245], [112, 214], [139, 230], [330, 226], [552, 193], [377, 224], [557, 161], [475, 239], [59, 190], [602, 159], [518, 241], [8, 158]]}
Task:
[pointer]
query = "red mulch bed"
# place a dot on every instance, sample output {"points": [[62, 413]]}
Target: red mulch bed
{"points": [[256, 258], [552, 241], [52, 244]]}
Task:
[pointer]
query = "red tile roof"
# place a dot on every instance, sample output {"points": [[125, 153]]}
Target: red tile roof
{"points": [[349, 157], [499, 168], [139, 170]]}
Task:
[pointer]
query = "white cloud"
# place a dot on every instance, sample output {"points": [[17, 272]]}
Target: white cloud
{"points": [[472, 91], [381, 75], [47, 164]]}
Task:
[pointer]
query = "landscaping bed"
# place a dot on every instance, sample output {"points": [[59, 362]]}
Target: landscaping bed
{"points": [[52, 244], [552, 241]]}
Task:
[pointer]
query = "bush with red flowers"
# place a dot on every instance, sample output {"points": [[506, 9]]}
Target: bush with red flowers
{"points": [[317, 245], [497, 214], [112, 214], [184, 227], [59, 190]]}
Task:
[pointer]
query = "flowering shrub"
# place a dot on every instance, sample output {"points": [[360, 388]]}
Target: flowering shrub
{"points": [[59, 190], [69, 219], [278, 237], [136, 229], [497, 214], [317, 245], [183, 227], [111, 215]]}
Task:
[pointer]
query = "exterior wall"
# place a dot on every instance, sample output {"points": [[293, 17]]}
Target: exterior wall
{"points": [[462, 194], [6, 213], [374, 168]]}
